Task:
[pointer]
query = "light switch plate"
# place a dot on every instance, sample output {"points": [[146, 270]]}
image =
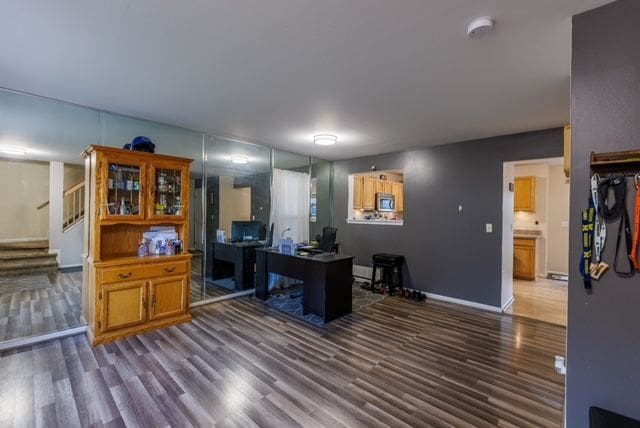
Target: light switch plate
{"points": [[489, 228]]}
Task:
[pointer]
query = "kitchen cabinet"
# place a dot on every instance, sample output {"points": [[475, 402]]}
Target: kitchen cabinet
{"points": [[525, 194], [524, 258], [398, 193], [357, 193], [380, 186], [388, 186], [130, 192], [369, 193]]}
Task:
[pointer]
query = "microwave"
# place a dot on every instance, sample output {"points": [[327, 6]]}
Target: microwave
{"points": [[385, 202]]}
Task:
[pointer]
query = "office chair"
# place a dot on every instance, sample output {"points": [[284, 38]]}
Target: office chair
{"points": [[328, 240], [270, 237]]}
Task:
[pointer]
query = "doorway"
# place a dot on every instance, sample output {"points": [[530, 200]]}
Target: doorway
{"points": [[535, 240]]}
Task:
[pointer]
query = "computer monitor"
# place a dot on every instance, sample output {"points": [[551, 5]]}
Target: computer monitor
{"points": [[247, 231]]}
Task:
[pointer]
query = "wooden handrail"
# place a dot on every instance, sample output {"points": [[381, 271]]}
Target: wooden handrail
{"points": [[67, 192], [73, 188]]}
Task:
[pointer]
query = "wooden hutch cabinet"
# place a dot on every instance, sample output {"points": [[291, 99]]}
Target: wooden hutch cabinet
{"points": [[128, 193]]}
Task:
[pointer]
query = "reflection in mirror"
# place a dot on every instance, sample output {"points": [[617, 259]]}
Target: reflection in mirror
{"points": [[42, 210], [237, 206], [290, 210]]}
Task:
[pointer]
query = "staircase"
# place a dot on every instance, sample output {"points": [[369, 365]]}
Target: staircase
{"points": [[26, 257]]}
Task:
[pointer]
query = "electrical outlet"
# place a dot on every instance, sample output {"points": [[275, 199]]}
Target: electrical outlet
{"points": [[489, 228]]}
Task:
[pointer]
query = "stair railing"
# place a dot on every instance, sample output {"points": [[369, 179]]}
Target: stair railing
{"points": [[73, 206]]}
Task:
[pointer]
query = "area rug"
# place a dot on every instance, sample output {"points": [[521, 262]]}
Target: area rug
{"points": [[282, 301], [14, 284]]}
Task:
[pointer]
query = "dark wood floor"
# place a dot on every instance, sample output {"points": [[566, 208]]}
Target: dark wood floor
{"points": [[396, 363]]}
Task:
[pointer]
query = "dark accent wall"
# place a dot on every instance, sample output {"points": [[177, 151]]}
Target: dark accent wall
{"points": [[603, 339], [321, 171], [447, 252]]}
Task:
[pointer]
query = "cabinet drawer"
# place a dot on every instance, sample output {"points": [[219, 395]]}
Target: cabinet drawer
{"points": [[143, 271]]}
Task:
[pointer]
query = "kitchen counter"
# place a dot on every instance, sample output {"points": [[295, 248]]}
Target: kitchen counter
{"points": [[376, 222], [527, 233]]}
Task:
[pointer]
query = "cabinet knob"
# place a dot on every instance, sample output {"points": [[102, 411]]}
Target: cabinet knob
{"points": [[125, 275], [169, 270]]}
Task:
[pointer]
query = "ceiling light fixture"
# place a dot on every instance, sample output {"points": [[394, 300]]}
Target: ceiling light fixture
{"points": [[480, 27], [239, 159], [325, 139], [13, 150]]}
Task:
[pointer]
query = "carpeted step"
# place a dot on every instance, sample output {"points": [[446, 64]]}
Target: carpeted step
{"points": [[12, 267], [23, 254], [24, 245]]}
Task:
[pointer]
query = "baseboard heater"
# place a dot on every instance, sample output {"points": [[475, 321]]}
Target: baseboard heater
{"points": [[558, 276]]}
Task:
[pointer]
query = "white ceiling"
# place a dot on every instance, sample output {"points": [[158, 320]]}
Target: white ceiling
{"points": [[383, 75]]}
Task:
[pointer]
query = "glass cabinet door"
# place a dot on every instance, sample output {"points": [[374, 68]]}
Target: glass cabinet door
{"points": [[124, 190], [167, 196]]}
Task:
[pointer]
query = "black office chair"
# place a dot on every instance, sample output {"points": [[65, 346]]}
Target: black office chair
{"points": [[270, 237], [328, 240]]}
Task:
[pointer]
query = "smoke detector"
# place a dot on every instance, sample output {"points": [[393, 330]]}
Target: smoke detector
{"points": [[480, 27]]}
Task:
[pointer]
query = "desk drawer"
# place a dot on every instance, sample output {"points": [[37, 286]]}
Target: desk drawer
{"points": [[151, 270]]}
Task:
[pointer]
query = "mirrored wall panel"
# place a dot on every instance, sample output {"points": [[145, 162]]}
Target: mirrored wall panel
{"points": [[237, 195]]}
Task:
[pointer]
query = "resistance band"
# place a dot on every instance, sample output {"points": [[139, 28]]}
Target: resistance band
{"points": [[636, 236], [619, 209], [600, 229], [588, 223]]}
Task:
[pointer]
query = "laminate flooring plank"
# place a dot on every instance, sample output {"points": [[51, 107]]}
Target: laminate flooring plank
{"points": [[396, 363]]}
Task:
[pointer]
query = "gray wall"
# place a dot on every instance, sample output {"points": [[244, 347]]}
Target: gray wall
{"points": [[447, 252], [603, 339], [321, 170]]}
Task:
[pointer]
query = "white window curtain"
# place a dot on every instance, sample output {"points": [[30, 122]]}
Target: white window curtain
{"points": [[290, 198]]}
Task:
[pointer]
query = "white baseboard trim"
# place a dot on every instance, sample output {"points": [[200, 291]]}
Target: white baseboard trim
{"points": [[71, 266], [463, 302], [364, 272], [223, 298], [8, 241], [32, 340], [508, 303]]}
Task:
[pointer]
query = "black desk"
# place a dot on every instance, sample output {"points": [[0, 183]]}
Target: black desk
{"points": [[243, 257], [327, 280]]}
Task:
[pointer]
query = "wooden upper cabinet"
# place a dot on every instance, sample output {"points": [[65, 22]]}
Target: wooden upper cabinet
{"points": [[167, 192], [369, 193], [380, 186], [567, 150], [525, 194], [388, 186], [357, 193], [398, 193], [122, 183]]}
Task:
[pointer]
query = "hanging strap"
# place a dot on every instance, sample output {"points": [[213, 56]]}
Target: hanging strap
{"points": [[619, 186], [600, 228], [624, 229], [588, 223], [636, 236]]}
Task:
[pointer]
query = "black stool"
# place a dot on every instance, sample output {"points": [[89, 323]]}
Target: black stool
{"points": [[388, 263]]}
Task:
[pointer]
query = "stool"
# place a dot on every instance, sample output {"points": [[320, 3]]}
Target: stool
{"points": [[388, 263]]}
